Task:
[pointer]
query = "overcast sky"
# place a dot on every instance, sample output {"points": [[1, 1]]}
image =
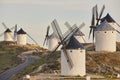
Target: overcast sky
{"points": [[35, 15]]}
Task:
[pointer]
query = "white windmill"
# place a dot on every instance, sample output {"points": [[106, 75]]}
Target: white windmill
{"points": [[21, 37], [50, 40], [105, 33], [80, 36], [72, 52], [105, 37], [8, 33]]}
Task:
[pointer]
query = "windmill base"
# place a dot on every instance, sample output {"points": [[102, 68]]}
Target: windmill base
{"points": [[79, 66]]}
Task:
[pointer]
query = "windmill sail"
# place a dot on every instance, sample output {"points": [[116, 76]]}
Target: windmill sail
{"points": [[32, 39], [59, 33], [79, 31], [15, 32], [64, 40], [47, 35], [4, 25], [97, 17], [56, 29], [68, 25]]}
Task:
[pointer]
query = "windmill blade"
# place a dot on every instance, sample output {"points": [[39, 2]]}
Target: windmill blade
{"points": [[117, 31], [90, 32], [81, 26], [68, 58], [92, 22], [47, 41], [93, 16], [44, 41], [15, 31], [48, 28], [32, 39], [83, 39], [4, 25], [69, 31], [96, 11], [68, 25], [73, 31], [7, 27], [12, 28], [67, 36], [117, 24], [93, 34], [101, 12], [57, 29], [46, 37]]}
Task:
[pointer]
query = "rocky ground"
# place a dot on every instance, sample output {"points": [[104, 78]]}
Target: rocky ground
{"points": [[105, 63]]}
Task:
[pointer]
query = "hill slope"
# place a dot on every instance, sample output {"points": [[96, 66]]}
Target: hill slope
{"points": [[101, 63]]}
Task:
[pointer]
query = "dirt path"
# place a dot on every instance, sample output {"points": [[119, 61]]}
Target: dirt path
{"points": [[28, 60]]}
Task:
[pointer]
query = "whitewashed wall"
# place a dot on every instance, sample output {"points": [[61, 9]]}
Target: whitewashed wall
{"points": [[21, 39], [8, 36], [105, 41], [79, 59], [52, 43]]}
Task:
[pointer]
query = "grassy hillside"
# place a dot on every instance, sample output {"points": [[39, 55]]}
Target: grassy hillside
{"points": [[104, 63], [9, 54], [101, 63], [51, 61]]}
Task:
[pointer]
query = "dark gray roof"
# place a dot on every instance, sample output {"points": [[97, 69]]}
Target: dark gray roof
{"points": [[74, 44], [79, 33], [104, 26], [108, 18], [21, 31], [7, 30]]}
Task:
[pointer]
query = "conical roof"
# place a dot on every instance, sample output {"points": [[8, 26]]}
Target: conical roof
{"points": [[7, 30], [108, 18], [104, 26], [21, 31], [79, 33], [74, 44]]}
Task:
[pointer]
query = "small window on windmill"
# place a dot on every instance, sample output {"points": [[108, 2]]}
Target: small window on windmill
{"points": [[71, 51], [112, 31], [105, 32], [81, 50]]}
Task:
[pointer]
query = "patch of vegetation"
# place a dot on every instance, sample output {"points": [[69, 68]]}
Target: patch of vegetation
{"points": [[8, 56], [103, 63], [49, 58]]}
